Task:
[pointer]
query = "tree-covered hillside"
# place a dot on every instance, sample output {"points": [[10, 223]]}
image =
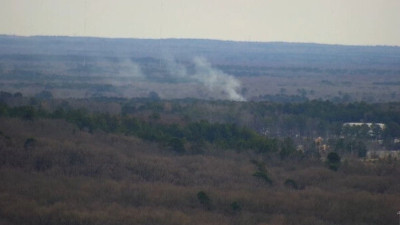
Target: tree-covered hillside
{"points": [[149, 161]]}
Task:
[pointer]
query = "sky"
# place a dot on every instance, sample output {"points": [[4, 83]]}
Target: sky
{"points": [[350, 22]]}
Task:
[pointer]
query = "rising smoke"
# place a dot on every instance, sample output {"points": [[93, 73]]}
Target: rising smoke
{"points": [[124, 72], [213, 79], [129, 69], [216, 80], [175, 70]]}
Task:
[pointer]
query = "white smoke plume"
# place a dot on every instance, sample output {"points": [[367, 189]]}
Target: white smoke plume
{"points": [[129, 69], [213, 79], [175, 69]]}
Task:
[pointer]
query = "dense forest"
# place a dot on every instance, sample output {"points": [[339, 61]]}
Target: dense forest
{"points": [[117, 131], [147, 160]]}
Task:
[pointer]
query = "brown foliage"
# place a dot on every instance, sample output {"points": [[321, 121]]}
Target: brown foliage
{"points": [[73, 177]]}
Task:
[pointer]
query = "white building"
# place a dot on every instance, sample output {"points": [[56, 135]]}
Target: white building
{"points": [[370, 125]]}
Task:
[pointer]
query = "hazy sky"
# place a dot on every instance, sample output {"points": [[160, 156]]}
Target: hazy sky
{"points": [[361, 22]]}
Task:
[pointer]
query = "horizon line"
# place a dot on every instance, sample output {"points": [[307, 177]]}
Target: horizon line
{"points": [[201, 39]]}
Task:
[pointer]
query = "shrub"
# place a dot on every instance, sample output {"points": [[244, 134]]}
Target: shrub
{"points": [[333, 161], [262, 172], [204, 199]]}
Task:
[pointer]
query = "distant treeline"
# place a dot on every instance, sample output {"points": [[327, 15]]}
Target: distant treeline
{"points": [[282, 122], [177, 137]]}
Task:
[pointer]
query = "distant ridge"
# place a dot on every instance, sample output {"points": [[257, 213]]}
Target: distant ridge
{"points": [[217, 51], [191, 39]]}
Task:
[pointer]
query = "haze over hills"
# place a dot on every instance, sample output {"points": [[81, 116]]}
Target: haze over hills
{"points": [[177, 112], [262, 53], [244, 70], [180, 131]]}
